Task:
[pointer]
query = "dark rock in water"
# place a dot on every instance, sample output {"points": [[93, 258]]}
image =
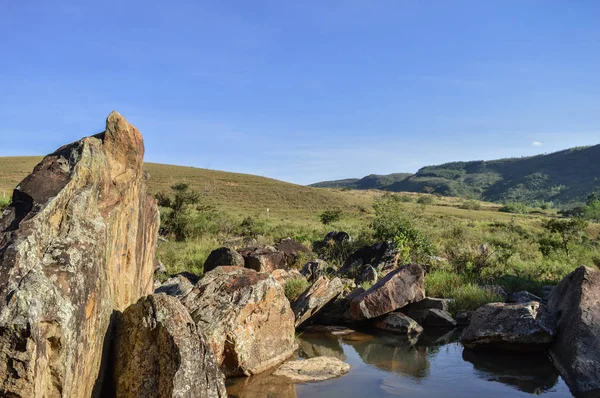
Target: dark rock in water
{"points": [[292, 250], [381, 256], [575, 301], [338, 237], [76, 244], [321, 293], [523, 297], [532, 373], [431, 317], [429, 303], [178, 286], [464, 318], [223, 256], [399, 323], [367, 274], [263, 259], [312, 270], [518, 326], [397, 289], [159, 352], [245, 317]]}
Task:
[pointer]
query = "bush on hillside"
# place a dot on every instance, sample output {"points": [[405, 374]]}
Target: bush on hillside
{"points": [[515, 207], [426, 200], [330, 216], [471, 205]]}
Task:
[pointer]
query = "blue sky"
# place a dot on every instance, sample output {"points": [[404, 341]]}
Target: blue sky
{"points": [[304, 91]]}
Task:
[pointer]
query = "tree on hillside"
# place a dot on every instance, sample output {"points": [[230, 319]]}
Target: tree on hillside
{"points": [[177, 221], [569, 231]]}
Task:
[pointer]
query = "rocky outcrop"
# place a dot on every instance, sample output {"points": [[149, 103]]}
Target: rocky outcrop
{"points": [[178, 285], [381, 256], [223, 256], [575, 301], [312, 270], [245, 317], [523, 297], [317, 296], [263, 259], [520, 327], [76, 244], [398, 323], [292, 250], [313, 369], [394, 291], [158, 352]]}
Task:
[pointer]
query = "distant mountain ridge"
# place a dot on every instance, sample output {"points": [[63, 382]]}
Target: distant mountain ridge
{"points": [[562, 177]]}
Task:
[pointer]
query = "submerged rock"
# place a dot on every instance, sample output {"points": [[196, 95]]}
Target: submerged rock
{"points": [[245, 317], [399, 323], [76, 244], [223, 256], [518, 326], [317, 296], [159, 352], [575, 301], [313, 369], [395, 290]]}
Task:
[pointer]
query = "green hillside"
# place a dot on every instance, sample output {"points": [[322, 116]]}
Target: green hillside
{"points": [[372, 181], [563, 177]]}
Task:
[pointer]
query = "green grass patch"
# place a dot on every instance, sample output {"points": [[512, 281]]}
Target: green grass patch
{"points": [[294, 288]]}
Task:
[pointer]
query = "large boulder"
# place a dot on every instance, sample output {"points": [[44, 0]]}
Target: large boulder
{"points": [[263, 259], [223, 256], [322, 292], [397, 289], [382, 256], [575, 301], [77, 243], [158, 351], [245, 317], [516, 326], [398, 323], [313, 369], [292, 250]]}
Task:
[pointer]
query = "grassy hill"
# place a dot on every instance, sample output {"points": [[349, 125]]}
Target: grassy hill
{"points": [[372, 181], [562, 177]]}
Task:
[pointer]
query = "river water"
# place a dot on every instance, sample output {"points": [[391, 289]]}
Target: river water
{"points": [[434, 365]]}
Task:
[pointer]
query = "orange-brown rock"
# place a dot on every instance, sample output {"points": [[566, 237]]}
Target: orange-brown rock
{"points": [[76, 244], [245, 317]]}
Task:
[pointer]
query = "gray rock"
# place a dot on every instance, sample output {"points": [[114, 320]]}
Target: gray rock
{"points": [[398, 323], [523, 297], [518, 326], [313, 369], [338, 237], [178, 285], [431, 317], [321, 293], [313, 270], [464, 318], [429, 303], [158, 351], [367, 274], [223, 256], [575, 301]]}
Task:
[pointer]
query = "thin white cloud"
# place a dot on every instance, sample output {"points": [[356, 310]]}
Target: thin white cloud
{"points": [[536, 143]]}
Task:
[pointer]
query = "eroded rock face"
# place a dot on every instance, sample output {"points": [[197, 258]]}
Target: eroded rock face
{"points": [[575, 301], [76, 244], [398, 323], [245, 317], [517, 326], [159, 352], [317, 296], [223, 256], [397, 289]]}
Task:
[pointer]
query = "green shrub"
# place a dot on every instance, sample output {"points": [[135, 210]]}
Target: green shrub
{"points": [[425, 200], [295, 287], [330, 216], [515, 207], [471, 205], [186, 256]]}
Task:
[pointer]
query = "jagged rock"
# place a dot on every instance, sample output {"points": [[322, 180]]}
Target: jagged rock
{"points": [[428, 303], [575, 301], [245, 317], [338, 237], [76, 244], [223, 256], [431, 317], [367, 274], [312, 270], [313, 369], [382, 256], [523, 297], [322, 292], [263, 259], [178, 285], [399, 323], [464, 318], [158, 352], [283, 276], [518, 326], [292, 250], [397, 289]]}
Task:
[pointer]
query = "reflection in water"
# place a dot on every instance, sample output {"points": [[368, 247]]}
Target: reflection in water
{"points": [[320, 345], [530, 373], [263, 385]]}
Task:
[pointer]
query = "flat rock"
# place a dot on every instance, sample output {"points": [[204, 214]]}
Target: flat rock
{"points": [[245, 317], [158, 351], [398, 323], [517, 326], [223, 256], [575, 301], [322, 292], [77, 243], [397, 289], [313, 369]]}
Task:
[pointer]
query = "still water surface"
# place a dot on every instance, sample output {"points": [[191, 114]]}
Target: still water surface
{"points": [[435, 365]]}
